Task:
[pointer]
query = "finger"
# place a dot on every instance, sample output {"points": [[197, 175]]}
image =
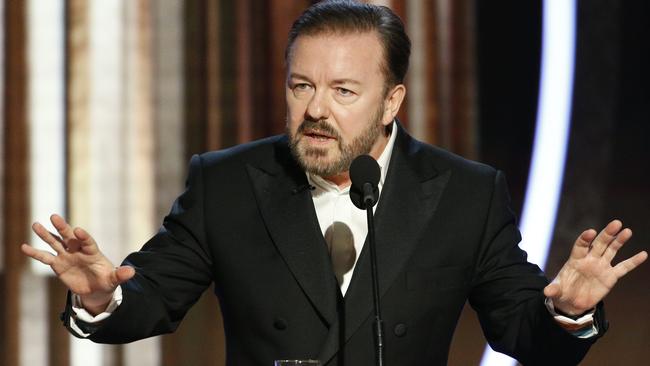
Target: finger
{"points": [[605, 237], [581, 246], [52, 240], [552, 290], [629, 264], [122, 274], [84, 238], [62, 227], [617, 243], [40, 255]]}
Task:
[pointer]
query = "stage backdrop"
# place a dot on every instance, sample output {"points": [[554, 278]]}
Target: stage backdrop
{"points": [[103, 103]]}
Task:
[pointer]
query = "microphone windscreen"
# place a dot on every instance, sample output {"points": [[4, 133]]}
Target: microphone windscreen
{"points": [[364, 169]]}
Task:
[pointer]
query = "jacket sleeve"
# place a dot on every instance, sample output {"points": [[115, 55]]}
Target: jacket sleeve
{"points": [[507, 293], [172, 270]]}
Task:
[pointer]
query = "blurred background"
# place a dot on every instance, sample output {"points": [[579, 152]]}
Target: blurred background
{"points": [[104, 101]]}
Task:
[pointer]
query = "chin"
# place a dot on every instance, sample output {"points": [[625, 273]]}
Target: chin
{"points": [[320, 166]]}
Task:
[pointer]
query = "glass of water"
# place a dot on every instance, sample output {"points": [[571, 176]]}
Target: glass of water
{"points": [[297, 363]]}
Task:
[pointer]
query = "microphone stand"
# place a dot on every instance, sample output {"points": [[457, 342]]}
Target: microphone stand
{"points": [[369, 202]]}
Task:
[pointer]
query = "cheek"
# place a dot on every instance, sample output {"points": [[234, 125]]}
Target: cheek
{"points": [[295, 113], [351, 121]]}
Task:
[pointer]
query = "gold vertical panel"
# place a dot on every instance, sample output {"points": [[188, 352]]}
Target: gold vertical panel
{"points": [[425, 73], [140, 138], [78, 125], [387, 3], [282, 14], [76, 112], [33, 315], [228, 39], [139, 185], [259, 75], [77, 102], [463, 110], [15, 194], [168, 108], [3, 123], [443, 70], [99, 121], [140, 162], [245, 101], [416, 82], [186, 17], [431, 72], [214, 120], [194, 75], [58, 337], [456, 77]]}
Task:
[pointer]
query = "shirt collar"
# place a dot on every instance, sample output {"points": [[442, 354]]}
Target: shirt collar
{"points": [[384, 158], [383, 161]]}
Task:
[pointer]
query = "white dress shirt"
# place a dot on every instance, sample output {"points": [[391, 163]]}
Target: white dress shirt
{"points": [[343, 225]]}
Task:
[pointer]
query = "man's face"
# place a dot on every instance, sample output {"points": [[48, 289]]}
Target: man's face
{"points": [[335, 101]]}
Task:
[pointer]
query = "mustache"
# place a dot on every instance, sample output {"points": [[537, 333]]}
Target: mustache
{"points": [[319, 126]]}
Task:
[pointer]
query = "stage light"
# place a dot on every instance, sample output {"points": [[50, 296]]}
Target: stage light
{"points": [[551, 138]]}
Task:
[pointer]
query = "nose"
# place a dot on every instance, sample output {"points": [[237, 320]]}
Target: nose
{"points": [[318, 107]]}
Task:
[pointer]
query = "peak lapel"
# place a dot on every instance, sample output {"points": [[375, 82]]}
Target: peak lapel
{"points": [[291, 220]]}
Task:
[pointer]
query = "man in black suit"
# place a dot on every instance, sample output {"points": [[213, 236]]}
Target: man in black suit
{"points": [[271, 224]]}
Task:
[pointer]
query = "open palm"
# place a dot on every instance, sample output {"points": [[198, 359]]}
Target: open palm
{"points": [[79, 263], [588, 275]]}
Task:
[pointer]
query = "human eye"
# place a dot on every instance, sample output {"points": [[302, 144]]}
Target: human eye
{"points": [[299, 86], [300, 89], [345, 95], [344, 92]]}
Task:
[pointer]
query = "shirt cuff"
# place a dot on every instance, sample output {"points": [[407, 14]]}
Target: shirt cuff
{"points": [[83, 322], [582, 327]]}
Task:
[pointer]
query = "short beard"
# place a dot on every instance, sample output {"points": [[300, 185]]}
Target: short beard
{"points": [[313, 159]]}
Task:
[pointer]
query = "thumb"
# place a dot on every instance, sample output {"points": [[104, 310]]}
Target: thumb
{"points": [[552, 290], [123, 274]]}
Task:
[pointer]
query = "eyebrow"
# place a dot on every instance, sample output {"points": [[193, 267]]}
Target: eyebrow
{"points": [[295, 75], [346, 81]]}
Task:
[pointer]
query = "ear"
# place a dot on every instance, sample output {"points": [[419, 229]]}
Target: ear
{"points": [[392, 103]]}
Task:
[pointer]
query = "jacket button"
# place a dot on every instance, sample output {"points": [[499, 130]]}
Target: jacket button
{"points": [[279, 324], [400, 330]]}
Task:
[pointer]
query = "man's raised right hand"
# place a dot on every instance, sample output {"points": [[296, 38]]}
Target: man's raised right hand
{"points": [[79, 264]]}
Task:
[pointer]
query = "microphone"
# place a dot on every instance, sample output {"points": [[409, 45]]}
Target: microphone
{"points": [[364, 174], [364, 193]]}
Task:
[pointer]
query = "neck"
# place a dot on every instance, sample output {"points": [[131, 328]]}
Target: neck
{"points": [[342, 180]]}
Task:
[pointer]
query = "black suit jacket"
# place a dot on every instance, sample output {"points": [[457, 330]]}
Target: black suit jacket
{"points": [[445, 234]]}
